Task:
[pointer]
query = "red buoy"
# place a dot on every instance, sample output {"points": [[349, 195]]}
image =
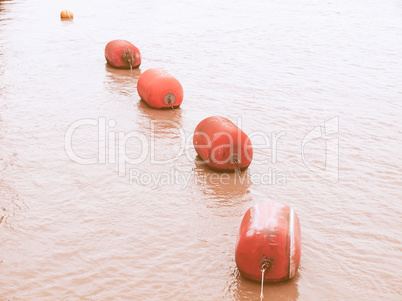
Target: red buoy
{"points": [[159, 89], [222, 145], [269, 238], [122, 54], [66, 14]]}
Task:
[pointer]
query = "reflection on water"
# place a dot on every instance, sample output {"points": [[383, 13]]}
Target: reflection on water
{"points": [[164, 127], [243, 289], [122, 81], [152, 114], [10, 204], [10, 201], [227, 188]]}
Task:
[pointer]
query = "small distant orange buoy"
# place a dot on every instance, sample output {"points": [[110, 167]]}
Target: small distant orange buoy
{"points": [[122, 54], [66, 14], [222, 145], [270, 239], [159, 89]]}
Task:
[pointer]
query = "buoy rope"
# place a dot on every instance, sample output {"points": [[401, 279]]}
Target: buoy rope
{"points": [[265, 265], [129, 56], [235, 160], [72, 21], [174, 113], [131, 65], [262, 283]]}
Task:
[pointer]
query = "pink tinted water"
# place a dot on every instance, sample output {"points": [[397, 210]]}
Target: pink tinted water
{"points": [[280, 68]]}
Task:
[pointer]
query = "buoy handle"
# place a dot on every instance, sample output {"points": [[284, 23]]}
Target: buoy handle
{"points": [[169, 99], [265, 264], [128, 56], [235, 159]]}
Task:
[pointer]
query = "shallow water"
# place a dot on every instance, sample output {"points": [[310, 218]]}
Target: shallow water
{"points": [[167, 231]]}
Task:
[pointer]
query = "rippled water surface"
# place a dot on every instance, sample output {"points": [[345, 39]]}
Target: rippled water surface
{"points": [[149, 230]]}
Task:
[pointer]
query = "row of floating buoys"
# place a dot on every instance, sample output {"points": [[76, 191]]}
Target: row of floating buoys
{"points": [[268, 246]]}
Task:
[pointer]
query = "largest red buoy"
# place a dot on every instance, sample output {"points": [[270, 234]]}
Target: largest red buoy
{"points": [[122, 54], [222, 145], [270, 239]]}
